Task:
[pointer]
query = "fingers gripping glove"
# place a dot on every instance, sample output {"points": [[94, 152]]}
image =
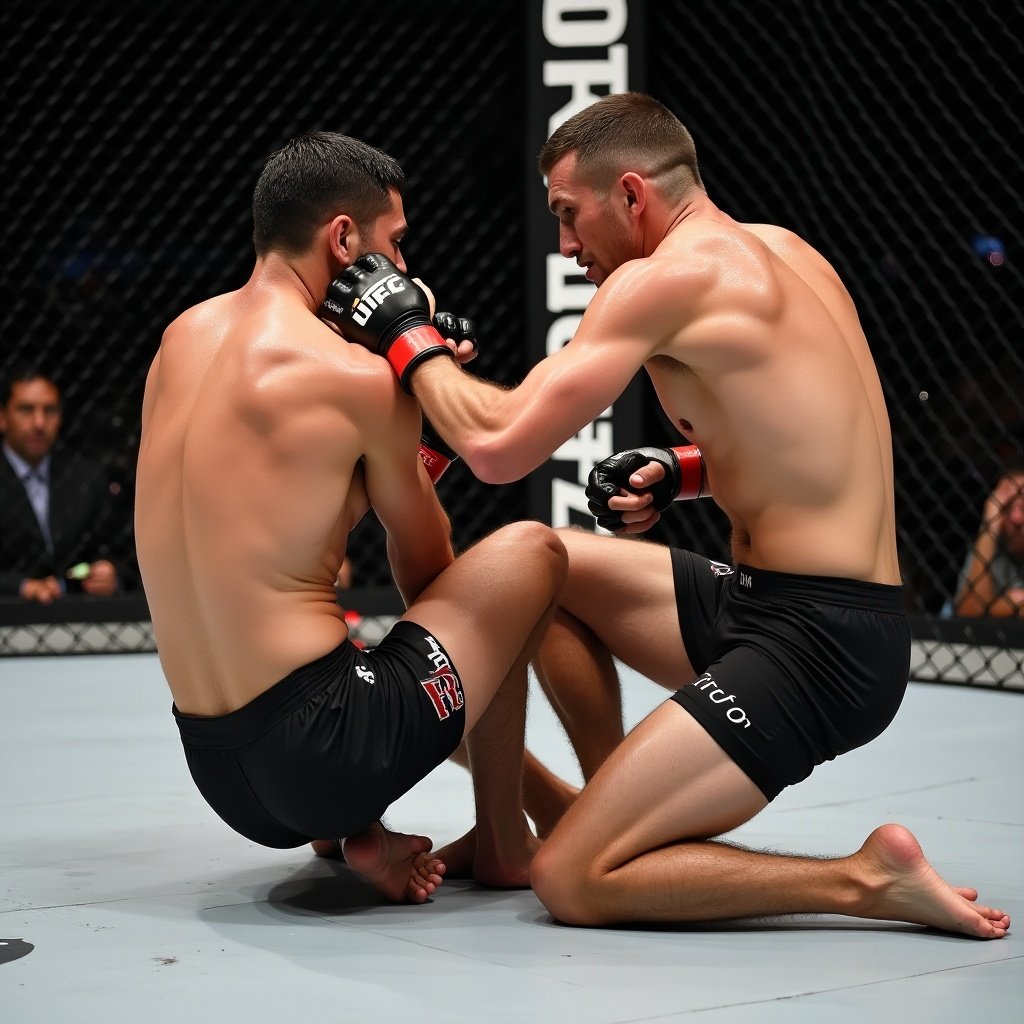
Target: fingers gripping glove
{"points": [[377, 306], [685, 478], [458, 328], [436, 455]]}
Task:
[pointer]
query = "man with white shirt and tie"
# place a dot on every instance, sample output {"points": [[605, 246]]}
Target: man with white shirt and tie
{"points": [[50, 503]]}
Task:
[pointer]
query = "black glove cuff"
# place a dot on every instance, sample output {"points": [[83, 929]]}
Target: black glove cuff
{"points": [[430, 438]]}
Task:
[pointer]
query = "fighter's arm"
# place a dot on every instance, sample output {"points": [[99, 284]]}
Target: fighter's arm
{"points": [[401, 493], [502, 433]]}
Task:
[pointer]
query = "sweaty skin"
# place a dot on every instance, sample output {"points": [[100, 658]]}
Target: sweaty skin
{"points": [[756, 352], [265, 439], [250, 479]]}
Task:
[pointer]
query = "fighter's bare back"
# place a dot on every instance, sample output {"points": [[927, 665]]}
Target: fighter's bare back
{"points": [[255, 418]]}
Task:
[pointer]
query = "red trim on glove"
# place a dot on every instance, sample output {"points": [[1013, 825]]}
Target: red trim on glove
{"points": [[691, 472], [435, 462], [406, 347]]}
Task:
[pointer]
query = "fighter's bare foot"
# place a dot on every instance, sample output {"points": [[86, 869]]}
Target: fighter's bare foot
{"points": [[510, 869], [507, 869], [399, 866], [458, 856], [905, 887]]}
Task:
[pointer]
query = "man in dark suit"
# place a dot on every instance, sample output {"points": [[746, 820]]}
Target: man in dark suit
{"points": [[52, 504]]}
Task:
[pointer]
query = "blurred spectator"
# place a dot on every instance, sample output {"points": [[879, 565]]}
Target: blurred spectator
{"points": [[992, 581], [52, 503]]}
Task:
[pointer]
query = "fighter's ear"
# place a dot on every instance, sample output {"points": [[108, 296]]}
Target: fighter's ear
{"points": [[343, 238], [634, 191]]}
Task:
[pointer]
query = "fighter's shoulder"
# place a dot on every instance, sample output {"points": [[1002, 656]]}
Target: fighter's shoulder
{"points": [[713, 246], [676, 274], [787, 245], [361, 385], [702, 267], [198, 318], [351, 364], [775, 235]]}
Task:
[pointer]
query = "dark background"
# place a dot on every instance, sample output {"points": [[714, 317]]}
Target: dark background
{"points": [[886, 134]]}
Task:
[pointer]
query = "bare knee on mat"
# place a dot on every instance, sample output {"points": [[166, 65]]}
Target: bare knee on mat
{"points": [[565, 886]]}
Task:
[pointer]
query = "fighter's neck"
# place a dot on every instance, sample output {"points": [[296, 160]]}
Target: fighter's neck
{"points": [[696, 208], [286, 275]]}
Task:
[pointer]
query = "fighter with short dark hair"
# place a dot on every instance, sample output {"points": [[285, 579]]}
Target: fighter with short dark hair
{"points": [[265, 439], [792, 655]]}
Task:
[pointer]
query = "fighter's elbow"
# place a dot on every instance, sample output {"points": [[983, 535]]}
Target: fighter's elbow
{"points": [[496, 460]]}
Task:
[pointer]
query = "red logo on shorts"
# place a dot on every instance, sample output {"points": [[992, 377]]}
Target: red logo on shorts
{"points": [[443, 686], [445, 692]]}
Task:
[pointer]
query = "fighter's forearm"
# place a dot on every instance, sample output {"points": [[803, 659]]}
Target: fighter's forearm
{"points": [[498, 432], [414, 571]]}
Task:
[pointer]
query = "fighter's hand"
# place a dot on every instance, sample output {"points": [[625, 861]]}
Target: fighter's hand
{"points": [[459, 335], [379, 307], [628, 491]]}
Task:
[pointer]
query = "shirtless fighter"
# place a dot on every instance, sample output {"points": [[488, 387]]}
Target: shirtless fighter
{"points": [[265, 439], [796, 653]]}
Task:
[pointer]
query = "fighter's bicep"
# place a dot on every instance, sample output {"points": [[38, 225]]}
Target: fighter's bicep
{"points": [[401, 495], [592, 370], [396, 482]]}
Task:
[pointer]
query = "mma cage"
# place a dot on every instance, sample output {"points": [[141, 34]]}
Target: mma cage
{"points": [[885, 134]]}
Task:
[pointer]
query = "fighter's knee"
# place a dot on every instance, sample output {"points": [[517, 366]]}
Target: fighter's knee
{"points": [[563, 887], [539, 540]]}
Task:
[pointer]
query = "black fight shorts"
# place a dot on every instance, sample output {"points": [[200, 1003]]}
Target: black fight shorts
{"points": [[791, 670], [322, 753]]}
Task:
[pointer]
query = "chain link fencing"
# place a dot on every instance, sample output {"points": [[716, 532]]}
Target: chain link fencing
{"points": [[133, 134], [886, 134]]}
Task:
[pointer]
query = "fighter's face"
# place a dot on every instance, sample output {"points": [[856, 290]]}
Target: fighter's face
{"points": [[385, 234], [30, 420], [591, 228]]}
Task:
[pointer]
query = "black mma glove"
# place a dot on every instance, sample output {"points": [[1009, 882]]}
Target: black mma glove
{"points": [[684, 478], [376, 305], [458, 328]]}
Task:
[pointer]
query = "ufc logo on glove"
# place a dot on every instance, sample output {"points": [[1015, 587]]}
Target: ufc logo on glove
{"points": [[374, 296]]}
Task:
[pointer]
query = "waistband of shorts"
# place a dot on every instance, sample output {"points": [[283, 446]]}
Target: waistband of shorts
{"points": [[772, 586], [247, 723]]}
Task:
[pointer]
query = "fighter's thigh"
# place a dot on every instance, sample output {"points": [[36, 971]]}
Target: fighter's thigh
{"points": [[668, 781], [484, 607], [624, 591]]}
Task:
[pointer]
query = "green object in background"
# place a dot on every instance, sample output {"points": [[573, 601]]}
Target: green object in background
{"points": [[78, 572]]}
